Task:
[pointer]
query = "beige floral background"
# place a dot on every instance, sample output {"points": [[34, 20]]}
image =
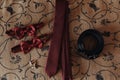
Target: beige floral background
{"points": [[102, 15]]}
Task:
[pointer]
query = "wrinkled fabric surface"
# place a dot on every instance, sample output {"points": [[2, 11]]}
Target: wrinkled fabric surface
{"points": [[102, 15]]}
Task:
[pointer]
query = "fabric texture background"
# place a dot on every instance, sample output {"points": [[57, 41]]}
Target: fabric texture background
{"points": [[102, 15]]}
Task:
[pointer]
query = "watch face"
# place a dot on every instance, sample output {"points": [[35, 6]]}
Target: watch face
{"points": [[90, 44]]}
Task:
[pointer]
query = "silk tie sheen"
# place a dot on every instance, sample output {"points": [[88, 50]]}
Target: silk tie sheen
{"points": [[59, 47], [66, 67]]}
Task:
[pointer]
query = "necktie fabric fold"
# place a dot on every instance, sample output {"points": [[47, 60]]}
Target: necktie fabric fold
{"points": [[56, 40], [66, 65], [59, 47]]}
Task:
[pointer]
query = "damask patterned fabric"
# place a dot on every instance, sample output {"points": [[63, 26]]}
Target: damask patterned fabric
{"points": [[102, 15]]}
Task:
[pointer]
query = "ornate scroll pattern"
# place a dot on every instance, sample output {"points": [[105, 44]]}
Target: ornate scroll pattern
{"points": [[102, 15]]}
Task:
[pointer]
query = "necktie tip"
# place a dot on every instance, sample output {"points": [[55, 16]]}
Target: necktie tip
{"points": [[50, 74]]}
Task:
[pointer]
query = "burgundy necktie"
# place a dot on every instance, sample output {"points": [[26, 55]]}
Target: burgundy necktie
{"points": [[66, 67], [59, 47]]}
